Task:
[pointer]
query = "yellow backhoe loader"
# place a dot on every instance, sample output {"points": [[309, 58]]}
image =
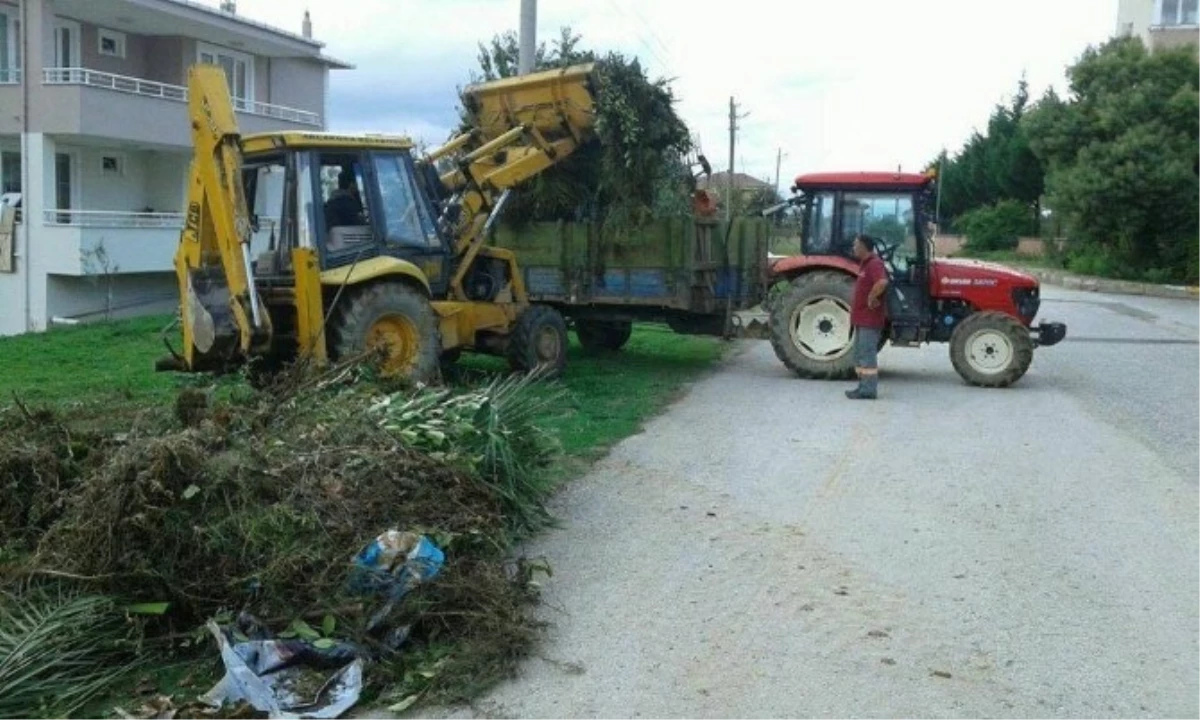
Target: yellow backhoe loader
{"points": [[324, 246]]}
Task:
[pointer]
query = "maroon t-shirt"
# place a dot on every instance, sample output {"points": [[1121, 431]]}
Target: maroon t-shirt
{"points": [[870, 271]]}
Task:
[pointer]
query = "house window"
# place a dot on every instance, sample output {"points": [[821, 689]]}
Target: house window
{"points": [[1178, 12], [112, 43], [10, 47], [111, 165], [239, 72], [10, 172]]}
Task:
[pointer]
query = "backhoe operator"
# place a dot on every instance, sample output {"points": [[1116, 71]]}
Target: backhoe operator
{"points": [[344, 206]]}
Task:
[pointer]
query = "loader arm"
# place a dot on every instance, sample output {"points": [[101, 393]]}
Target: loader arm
{"points": [[519, 127], [221, 313]]}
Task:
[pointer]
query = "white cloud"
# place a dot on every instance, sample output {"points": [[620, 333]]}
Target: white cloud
{"points": [[868, 84]]}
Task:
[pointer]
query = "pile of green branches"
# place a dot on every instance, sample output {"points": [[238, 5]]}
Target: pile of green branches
{"points": [[636, 169], [256, 504]]}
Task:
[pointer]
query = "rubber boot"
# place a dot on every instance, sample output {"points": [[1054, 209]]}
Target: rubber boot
{"points": [[856, 393], [869, 388]]}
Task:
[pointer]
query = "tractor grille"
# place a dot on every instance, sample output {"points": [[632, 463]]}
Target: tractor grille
{"points": [[1027, 302]]}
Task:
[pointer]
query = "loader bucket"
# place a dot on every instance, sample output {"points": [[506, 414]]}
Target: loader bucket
{"points": [[553, 102]]}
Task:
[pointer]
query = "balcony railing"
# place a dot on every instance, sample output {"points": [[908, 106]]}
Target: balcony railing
{"points": [[10, 76], [150, 88], [112, 219]]}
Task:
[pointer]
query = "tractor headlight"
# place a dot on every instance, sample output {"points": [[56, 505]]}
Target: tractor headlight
{"points": [[1027, 302]]}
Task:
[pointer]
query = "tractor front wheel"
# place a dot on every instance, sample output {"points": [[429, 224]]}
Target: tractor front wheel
{"points": [[603, 335], [538, 342], [991, 349], [810, 326], [394, 318]]}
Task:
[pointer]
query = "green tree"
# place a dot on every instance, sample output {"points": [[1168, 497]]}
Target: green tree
{"points": [[1121, 153], [992, 167]]}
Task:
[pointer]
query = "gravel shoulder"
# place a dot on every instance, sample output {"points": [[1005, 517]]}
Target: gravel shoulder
{"points": [[767, 548]]}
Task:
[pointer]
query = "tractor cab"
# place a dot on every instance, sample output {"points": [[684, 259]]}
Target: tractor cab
{"points": [[891, 208]]}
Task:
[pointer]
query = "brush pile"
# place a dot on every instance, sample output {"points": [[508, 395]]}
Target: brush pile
{"points": [[256, 504]]}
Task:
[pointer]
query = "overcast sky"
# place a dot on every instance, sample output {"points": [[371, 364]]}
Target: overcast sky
{"points": [[835, 84]]}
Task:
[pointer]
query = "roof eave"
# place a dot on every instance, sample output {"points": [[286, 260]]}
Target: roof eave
{"points": [[213, 12], [334, 64]]}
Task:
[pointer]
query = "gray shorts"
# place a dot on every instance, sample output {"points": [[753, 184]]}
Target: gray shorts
{"points": [[866, 347]]}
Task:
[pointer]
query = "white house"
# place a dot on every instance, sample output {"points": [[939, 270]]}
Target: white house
{"points": [[1160, 23], [95, 142]]}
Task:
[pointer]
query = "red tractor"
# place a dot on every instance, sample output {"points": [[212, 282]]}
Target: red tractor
{"points": [[985, 311]]}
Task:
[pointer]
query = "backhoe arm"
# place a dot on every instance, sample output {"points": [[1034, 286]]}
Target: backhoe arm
{"points": [[220, 310], [519, 127]]}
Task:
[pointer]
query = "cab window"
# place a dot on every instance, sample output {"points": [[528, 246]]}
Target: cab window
{"points": [[344, 201], [887, 217], [818, 221], [406, 216], [263, 183]]}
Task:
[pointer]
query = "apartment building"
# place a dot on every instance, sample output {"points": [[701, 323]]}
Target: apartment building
{"points": [[95, 142], [1160, 23]]}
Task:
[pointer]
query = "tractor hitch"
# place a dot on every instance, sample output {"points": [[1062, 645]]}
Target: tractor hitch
{"points": [[1049, 333]]}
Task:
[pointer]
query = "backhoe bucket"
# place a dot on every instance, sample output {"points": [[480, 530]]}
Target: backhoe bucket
{"points": [[550, 102]]}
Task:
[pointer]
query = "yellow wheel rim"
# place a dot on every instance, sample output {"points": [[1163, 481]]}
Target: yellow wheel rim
{"points": [[397, 336]]}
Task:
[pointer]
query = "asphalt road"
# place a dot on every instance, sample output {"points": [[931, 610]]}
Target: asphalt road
{"points": [[768, 548]]}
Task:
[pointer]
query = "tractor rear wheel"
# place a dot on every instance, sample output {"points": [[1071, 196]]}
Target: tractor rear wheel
{"points": [[394, 317], [538, 342], [991, 349], [810, 326], [603, 335]]}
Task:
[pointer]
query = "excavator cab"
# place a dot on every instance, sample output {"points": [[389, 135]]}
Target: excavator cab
{"points": [[348, 205]]}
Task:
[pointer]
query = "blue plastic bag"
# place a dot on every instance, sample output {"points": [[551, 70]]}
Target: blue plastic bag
{"points": [[392, 565]]}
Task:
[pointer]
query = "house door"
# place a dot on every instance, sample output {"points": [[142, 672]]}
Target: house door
{"points": [[239, 73], [66, 44], [64, 167]]}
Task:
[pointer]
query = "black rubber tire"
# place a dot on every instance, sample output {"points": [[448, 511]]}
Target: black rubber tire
{"points": [[1016, 334], [365, 306], [803, 290], [603, 335], [527, 351]]}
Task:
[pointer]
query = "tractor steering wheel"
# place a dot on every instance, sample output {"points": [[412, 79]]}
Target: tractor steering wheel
{"points": [[885, 252]]}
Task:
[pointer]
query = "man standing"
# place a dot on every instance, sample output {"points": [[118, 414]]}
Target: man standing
{"points": [[868, 317]]}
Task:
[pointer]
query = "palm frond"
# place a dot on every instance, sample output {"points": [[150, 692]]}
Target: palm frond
{"points": [[59, 650]]}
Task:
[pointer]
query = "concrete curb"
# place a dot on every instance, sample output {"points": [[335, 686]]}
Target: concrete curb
{"points": [[1116, 287]]}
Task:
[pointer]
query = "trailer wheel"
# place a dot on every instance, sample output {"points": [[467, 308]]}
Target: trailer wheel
{"points": [[603, 335], [395, 317], [991, 349], [810, 326], [538, 342]]}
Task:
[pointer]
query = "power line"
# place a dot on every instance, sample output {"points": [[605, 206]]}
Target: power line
{"points": [[650, 29], [641, 38]]}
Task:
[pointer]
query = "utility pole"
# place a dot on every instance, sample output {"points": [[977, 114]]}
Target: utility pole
{"points": [[733, 128], [778, 162], [937, 211], [732, 143], [528, 37]]}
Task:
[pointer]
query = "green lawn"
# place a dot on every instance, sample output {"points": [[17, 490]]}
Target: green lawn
{"points": [[92, 364], [105, 369]]}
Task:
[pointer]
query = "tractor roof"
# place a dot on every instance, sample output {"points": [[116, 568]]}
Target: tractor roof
{"points": [[862, 181], [260, 142]]}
